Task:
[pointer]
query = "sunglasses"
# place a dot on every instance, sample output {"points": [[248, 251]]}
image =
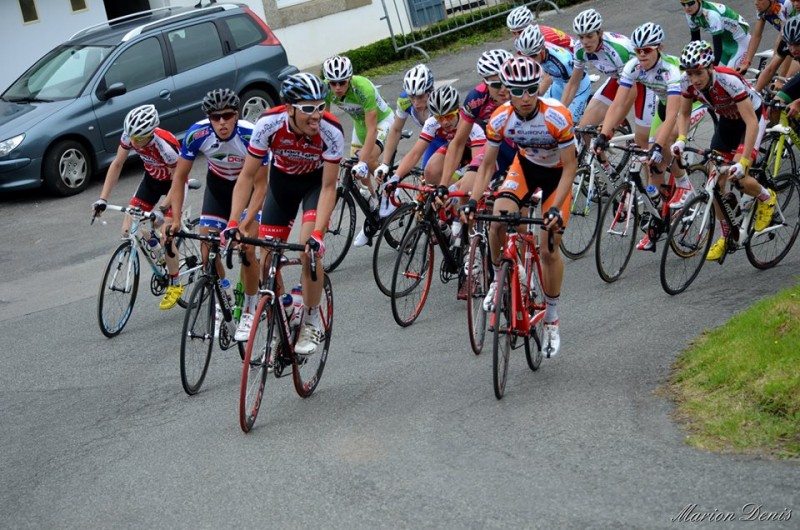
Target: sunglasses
{"points": [[644, 51], [494, 84], [445, 117], [310, 109], [688, 2], [519, 92], [141, 139], [222, 116], [338, 83]]}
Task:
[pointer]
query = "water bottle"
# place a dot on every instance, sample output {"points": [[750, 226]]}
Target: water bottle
{"points": [[446, 231], [297, 305], [238, 299], [288, 305], [226, 288], [154, 248], [456, 233], [654, 195], [609, 170], [369, 197]]}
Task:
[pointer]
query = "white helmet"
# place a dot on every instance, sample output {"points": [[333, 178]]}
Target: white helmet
{"points": [[418, 80], [337, 68], [646, 35], [519, 18], [530, 41], [587, 21], [141, 121], [490, 62], [520, 72], [443, 100]]}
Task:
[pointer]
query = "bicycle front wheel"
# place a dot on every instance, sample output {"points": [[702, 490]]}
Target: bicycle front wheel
{"points": [[411, 279], [262, 352], [479, 272], [307, 370], [767, 248], [687, 245], [501, 350], [395, 227], [617, 233], [118, 290], [536, 311], [197, 336], [341, 229], [584, 216], [776, 155]]}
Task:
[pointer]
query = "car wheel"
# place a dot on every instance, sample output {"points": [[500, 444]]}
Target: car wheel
{"points": [[254, 102], [66, 168]]}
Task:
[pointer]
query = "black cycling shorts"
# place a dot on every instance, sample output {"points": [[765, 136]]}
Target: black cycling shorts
{"points": [[217, 201], [285, 195], [149, 192]]}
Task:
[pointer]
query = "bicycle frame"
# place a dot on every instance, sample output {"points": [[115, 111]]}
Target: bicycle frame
{"points": [[786, 134]]}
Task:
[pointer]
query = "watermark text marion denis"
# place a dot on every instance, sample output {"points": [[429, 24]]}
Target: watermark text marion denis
{"points": [[692, 513]]}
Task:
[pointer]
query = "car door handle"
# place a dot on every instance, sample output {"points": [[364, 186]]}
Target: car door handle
{"points": [[164, 94]]}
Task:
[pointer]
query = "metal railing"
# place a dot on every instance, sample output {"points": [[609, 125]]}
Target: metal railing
{"points": [[414, 22]]}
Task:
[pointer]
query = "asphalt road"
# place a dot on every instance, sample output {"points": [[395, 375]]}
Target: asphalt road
{"points": [[404, 430]]}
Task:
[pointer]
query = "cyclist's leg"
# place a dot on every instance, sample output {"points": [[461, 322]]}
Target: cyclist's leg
{"points": [[644, 107]]}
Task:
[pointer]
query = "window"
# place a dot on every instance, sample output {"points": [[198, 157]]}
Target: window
{"points": [[195, 45], [28, 8], [77, 5], [245, 31], [61, 74], [139, 65]]}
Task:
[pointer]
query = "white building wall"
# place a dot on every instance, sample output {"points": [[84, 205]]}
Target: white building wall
{"points": [[23, 44]]}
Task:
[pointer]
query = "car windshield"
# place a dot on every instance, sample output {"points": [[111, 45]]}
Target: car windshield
{"points": [[61, 74]]}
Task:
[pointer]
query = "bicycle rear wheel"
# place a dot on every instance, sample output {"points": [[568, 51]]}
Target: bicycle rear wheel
{"points": [[501, 349], [688, 241], [617, 233], [259, 359], [411, 279], [307, 370], [479, 272], [395, 227], [767, 248], [341, 229], [584, 216], [197, 336], [118, 290]]}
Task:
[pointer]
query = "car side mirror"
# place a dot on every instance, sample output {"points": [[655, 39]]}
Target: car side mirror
{"points": [[116, 89]]}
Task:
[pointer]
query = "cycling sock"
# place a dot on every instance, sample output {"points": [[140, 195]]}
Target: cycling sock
{"points": [[550, 312], [764, 195], [312, 316], [250, 303], [683, 182]]}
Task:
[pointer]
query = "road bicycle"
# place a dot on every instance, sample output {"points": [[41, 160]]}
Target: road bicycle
{"points": [[342, 224], [778, 145], [413, 268], [199, 332], [479, 272], [270, 348], [120, 284], [519, 303], [692, 230], [628, 209]]}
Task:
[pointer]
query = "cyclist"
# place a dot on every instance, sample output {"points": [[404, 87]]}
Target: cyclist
{"points": [[731, 32], [441, 127], [741, 126], [223, 139], [158, 150], [608, 53], [306, 143], [660, 73], [547, 159], [557, 63], [372, 119], [782, 59], [774, 13], [521, 17], [479, 104]]}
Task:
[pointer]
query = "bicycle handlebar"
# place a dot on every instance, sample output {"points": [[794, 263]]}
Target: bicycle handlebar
{"points": [[515, 219], [134, 211], [279, 245]]}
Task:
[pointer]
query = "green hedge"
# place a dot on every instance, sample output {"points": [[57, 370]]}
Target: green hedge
{"points": [[381, 52]]}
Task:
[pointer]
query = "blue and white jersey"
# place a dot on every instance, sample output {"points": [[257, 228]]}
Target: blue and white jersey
{"points": [[558, 64], [225, 158], [406, 109]]}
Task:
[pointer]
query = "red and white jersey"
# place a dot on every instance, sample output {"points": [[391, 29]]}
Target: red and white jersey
{"points": [[727, 88], [431, 129], [296, 154], [539, 138], [158, 156]]}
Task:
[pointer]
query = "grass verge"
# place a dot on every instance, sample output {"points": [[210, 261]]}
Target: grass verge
{"points": [[737, 388]]}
